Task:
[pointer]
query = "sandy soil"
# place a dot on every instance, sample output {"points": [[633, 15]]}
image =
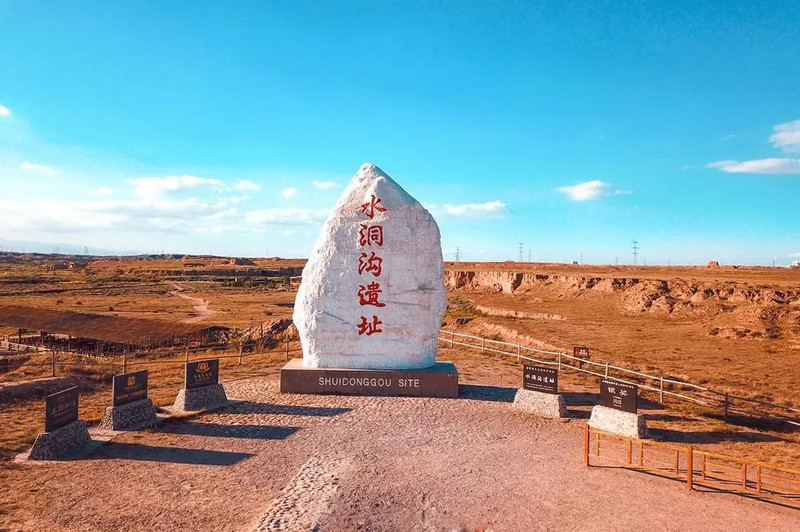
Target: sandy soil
{"points": [[282, 462]]}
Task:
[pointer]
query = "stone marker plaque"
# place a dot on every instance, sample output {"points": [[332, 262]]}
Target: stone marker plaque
{"points": [[202, 373], [539, 379], [439, 380], [129, 387], [61, 409], [619, 395]]}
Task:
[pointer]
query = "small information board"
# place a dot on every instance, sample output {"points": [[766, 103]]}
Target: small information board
{"points": [[540, 379], [129, 387], [61, 409], [581, 352], [619, 395], [202, 373]]}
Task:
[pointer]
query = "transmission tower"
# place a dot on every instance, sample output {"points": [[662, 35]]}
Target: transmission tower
{"points": [[635, 249], [521, 251], [529, 255], [458, 253]]}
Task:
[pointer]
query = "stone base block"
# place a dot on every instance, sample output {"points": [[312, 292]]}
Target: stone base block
{"points": [[55, 444], [618, 422], [439, 380], [203, 398], [133, 416], [547, 405]]}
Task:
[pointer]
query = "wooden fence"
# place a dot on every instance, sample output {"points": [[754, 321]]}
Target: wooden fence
{"points": [[724, 404], [695, 468]]}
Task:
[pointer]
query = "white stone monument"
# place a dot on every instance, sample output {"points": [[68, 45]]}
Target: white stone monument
{"points": [[372, 295]]}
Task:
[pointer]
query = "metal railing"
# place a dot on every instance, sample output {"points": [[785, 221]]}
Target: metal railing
{"points": [[693, 467], [727, 404]]}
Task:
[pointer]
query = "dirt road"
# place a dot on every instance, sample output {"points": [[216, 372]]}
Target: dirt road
{"points": [[283, 462], [199, 305]]}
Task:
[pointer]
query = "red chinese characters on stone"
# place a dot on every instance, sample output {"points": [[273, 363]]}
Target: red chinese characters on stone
{"points": [[370, 263], [371, 206], [370, 234], [369, 327], [368, 295]]}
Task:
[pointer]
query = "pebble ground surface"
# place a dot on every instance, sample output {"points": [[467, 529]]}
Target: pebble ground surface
{"points": [[276, 462]]}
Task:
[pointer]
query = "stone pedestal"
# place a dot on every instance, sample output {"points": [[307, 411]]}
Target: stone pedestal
{"points": [[439, 380], [133, 416], [618, 422], [547, 405], [55, 444], [201, 398]]}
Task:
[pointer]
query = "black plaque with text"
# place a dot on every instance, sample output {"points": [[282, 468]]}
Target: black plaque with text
{"points": [[61, 409], [619, 395], [202, 373], [540, 379], [130, 387]]}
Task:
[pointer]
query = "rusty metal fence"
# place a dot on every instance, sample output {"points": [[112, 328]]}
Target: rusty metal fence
{"points": [[695, 468]]}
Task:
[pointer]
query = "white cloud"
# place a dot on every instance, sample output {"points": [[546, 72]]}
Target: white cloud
{"points": [[289, 192], [786, 137], [286, 216], [104, 191], [153, 187], [33, 167], [490, 209], [759, 166], [324, 184], [246, 185], [590, 190], [4, 111]]}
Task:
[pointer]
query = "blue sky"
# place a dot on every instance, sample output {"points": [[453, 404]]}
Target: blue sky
{"points": [[574, 128]]}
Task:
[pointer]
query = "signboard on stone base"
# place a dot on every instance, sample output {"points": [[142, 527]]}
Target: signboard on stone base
{"points": [[61, 409], [129, 387], [619, 395], [540, 379], [202, 373]]}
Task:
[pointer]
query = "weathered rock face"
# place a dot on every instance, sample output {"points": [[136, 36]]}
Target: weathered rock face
{"points": [[373, 293]]}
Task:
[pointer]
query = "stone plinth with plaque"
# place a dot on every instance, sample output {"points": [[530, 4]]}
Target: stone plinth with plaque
{"points": [[202, 390], [372, 298], [617, 412], [539, 393], [131, 409], [64, 432]]}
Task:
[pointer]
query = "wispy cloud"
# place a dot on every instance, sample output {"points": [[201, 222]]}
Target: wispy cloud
{"points": [[324, 184], [590, 190], [152, 187], [758, 166], [104, 191], [786, 137], [289, 192], [246, 185], [4, 111], [728, 137], [33, 167], [490, 209], [286, 216]]}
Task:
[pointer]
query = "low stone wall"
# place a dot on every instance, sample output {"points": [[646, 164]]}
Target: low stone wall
{"points": [[133, 416], [618, 422], [203, 398], [55, 444], [542, 404]]}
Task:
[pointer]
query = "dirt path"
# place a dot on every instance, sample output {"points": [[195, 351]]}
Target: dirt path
{"points": [[199, 305], [288, 462]]}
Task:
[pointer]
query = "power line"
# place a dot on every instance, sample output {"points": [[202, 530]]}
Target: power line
{"points": [[458, 253], [635, 249]]}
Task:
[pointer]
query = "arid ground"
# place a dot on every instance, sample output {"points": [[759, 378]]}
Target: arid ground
{"points": [[388, 464]]}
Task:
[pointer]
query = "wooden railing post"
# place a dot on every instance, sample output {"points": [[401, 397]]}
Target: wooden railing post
{"points": [[241, 353], [483, 345], [586, 444], [452, 339], [630, 451], [52, 363], [125, 362], [689, 467], [758, 478], [725, 407], [661, 391], [744, 476], [518, 358], [606, 369]]}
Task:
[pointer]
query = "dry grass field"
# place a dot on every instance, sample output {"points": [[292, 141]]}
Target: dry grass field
{"points": [[732, 329]]}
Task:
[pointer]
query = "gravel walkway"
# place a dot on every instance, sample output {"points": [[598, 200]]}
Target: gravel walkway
{"points": [[282, 462]]}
